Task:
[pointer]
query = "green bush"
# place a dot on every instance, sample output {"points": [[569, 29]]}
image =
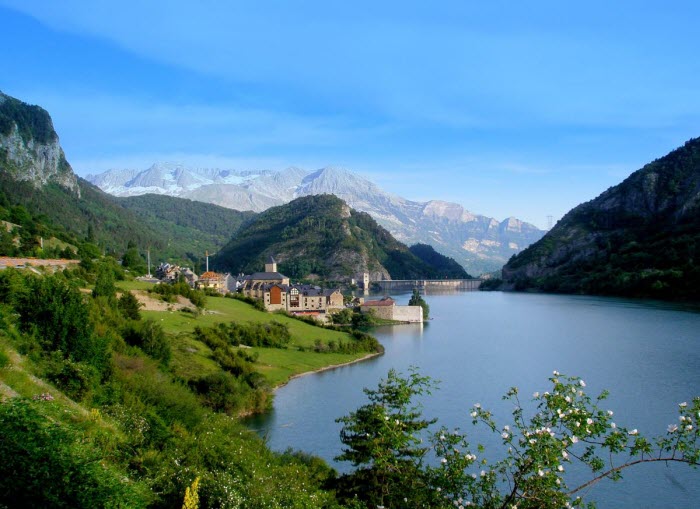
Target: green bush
{"points": [[150, 337], [75, 379]]}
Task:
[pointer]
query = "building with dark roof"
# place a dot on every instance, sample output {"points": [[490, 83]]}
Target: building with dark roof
{"points": [[276, 292]]}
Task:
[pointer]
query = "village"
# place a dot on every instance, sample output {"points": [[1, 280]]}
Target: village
{"points": [[277, 293]]}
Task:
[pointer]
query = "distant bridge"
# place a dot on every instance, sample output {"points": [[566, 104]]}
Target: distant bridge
{"points": [[428, 284]]}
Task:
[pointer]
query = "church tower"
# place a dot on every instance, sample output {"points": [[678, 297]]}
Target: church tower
{"points": [[271, 265]]}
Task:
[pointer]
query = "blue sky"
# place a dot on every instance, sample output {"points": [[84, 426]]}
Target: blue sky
{"points": [[509, 108]]}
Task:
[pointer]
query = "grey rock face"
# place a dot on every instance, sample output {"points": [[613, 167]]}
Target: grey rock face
{"points": [[39, 163]]}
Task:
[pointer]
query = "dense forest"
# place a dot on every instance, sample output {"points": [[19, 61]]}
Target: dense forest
{"points": [[444, 266], [32, 122]]}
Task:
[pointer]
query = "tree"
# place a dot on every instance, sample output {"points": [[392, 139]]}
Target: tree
{"points": [[417, 300], [104, 286], [383, 438], [130, 306], [133, 260], [55, 312], [566, 427]]}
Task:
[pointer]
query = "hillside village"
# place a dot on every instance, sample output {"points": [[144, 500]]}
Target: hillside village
{"points": [[277, 293]]}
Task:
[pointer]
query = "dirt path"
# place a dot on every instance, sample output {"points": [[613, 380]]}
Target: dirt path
{"points": [[150, 303]]}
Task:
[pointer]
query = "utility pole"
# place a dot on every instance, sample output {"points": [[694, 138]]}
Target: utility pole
{"points": [[148, 253], [206, 253]]}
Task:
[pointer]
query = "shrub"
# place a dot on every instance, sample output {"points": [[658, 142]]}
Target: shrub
{"points": [[130, 306], [149, 337], [45, 464], [75, 379]]}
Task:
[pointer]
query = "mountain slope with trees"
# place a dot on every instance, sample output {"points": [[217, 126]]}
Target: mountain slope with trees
{"points": [[320, 236], [38, 185], [639, 238]]}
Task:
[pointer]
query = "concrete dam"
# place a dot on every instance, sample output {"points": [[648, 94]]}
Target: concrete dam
{"points": [[427, 284]]}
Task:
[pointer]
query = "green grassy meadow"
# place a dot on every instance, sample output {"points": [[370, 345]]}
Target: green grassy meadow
{"points": [[192, 358]]}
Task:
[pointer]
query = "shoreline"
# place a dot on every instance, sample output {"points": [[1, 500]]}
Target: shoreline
{"points": [[327, 368]]}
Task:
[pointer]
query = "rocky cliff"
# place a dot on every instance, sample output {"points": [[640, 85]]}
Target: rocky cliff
{"points": [[641, 237], [29, 146]]}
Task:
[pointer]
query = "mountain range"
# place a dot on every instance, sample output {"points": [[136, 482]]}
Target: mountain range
{"points": [[315, 235], [639, 238], [479, 243]]}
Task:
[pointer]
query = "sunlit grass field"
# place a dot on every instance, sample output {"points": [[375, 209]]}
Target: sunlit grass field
{"points": [[192, 358]]}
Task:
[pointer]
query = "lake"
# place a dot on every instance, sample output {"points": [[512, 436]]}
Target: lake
{"points": [[479, 344]]}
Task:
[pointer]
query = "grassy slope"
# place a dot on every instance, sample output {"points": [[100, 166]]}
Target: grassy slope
{"points": [[193, 358]]}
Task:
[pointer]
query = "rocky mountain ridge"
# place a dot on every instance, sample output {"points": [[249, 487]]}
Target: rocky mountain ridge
{"points": [[29, 146], [640, 238], [479, 243]]}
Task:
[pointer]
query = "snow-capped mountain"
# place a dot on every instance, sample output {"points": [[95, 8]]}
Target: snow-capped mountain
{"points": [[480, 243]]}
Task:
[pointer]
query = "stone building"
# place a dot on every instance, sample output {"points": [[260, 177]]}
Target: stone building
{"points": [[387, 309]]}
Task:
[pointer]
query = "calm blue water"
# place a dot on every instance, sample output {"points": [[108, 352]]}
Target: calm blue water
{"points": [[481, 343]]}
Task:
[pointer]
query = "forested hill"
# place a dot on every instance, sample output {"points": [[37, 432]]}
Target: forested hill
{"points": [[320, 235], [447, 267], [195, 226], [639, 238]]}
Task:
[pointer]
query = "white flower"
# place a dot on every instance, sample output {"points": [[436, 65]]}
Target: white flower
{"points": [[555, 372], [672, 428], [683, 405], [442, 437], [564, 454], [610, 413], [567, 399], [633, 432], [689, 427], [682, 418], [483, 473], [532, 441], [558, 481], [506, 428], [613, 425], [582, 383], [540, 472], [443, 460], [474, 476], [505, 435], [560, 468], [473, 414], [574, 439], [589, 421], [535, 394], [386, 417], [477, 405]]}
